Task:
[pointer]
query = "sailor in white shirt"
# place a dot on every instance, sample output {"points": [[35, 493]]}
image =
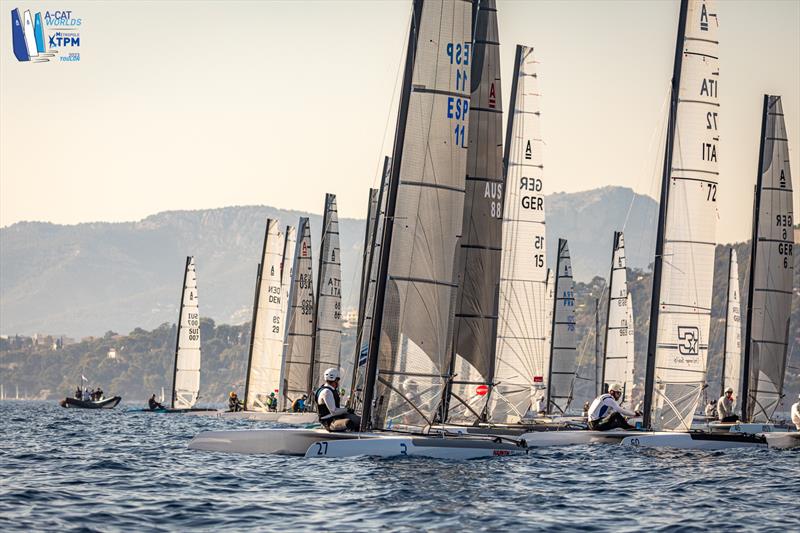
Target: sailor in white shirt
{"points": [[331, 414], [605, 413], [796, 413]]}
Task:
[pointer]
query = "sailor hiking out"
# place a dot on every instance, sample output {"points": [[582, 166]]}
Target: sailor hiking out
{"points": [[725, 406], [605, 413], [331, 415]]}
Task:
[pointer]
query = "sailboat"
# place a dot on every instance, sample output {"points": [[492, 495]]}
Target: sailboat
{"points": [[563, 349], [327, 340], [30, 34], [18, 39], [186, 369], [410, 342], [618, 344]]}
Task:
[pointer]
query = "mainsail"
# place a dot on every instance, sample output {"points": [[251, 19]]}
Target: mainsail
{"points": [[478, 255], [412, 335], [328, 319], [522, 361], [771, 271], [286, 272], [186, 374], [686, 235], [732, 352], [296, 374], [563, 350], [266, 342], [615, 362]]}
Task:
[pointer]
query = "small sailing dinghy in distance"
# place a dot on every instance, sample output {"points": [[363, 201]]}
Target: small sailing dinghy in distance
{"points": [[105, 403]]}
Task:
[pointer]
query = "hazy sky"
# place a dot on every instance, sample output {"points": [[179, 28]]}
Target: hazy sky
{"points": [[188, 105]]}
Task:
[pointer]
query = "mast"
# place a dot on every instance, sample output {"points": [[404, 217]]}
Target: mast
{"points": [[253, 327], [652, 337], [178, 331], [597, 363], [391, 202]]}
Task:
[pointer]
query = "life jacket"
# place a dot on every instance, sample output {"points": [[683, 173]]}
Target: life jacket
{"points": [[599, 409], [322, 409]]}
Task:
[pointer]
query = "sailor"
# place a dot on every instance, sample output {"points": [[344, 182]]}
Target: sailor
{"points": [[796, 413], [272, 402], [153, 404], [725, 407], [234, 404], [605, 413], [78, 393], [331, 415], [299, 405], [711, 410], [87, 396]]}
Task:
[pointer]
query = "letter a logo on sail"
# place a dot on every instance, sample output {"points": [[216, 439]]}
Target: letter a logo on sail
{"points": [[528, 150], [703, 18], [492, 96]]}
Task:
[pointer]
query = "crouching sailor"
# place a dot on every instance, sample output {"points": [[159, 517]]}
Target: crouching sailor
{"points": [[725, 406], [796, 413], [605, 413], [331, 415]]}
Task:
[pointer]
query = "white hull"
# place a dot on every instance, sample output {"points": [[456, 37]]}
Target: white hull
{"points": [[458, 448], [694, 440], [280, 441], [541, 439], [262, 416], [783, 441]]}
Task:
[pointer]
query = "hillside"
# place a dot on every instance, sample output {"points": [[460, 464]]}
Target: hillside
{"points": [[85, 279]]}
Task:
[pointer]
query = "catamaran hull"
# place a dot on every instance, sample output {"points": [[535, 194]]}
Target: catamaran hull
{"points": [[458, 448], [108, 403], [695, 441], [279, 441], [783, 441], [542, 439], [261, 416], [752, 428]]}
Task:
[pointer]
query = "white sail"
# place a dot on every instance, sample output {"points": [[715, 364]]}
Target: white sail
{"points": [[564, 349], [689, 230], [732, 355], [186, 377], [615, 361], [286, 272], [772, 269], [328, 322], [478, 256], [522, 360], [266, 346], [429, 161], [296, 374], [631, 391], [30, 37]]}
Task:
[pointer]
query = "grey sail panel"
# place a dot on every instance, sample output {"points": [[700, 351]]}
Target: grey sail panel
{"points": [[563, 352], [296, 373], [478, 257], [689, 227], [524, 317], [773, 270], [369, 304], [328, 323], [414, 351]]}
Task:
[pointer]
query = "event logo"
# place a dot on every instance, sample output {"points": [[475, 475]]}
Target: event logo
{"points": [[37, 38]]}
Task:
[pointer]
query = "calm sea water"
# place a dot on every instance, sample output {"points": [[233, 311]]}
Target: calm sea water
{"points": [[114, 470]]}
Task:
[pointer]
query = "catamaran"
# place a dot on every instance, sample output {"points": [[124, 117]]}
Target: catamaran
{"points": [[409, 354]]}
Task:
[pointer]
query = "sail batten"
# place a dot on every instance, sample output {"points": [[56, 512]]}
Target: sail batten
{"points": [[297, 359], [186, 376], [771, 271], [522, 353], [266, 345]]}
